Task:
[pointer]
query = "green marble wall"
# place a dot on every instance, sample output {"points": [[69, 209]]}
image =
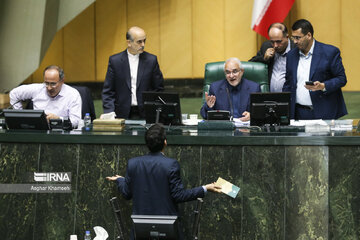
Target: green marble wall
{"points": [[287, 192]]}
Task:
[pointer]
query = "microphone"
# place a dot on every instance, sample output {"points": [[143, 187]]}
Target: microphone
{"points": [[9, 107], [230, 101]]}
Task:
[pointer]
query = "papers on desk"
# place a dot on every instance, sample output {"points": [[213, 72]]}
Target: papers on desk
{"points": [[227, 187], [239, 123], [302, 123], [324, 125], [191, 122]]}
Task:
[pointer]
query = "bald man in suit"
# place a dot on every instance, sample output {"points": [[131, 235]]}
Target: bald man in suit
{"points": [[129, 74]]}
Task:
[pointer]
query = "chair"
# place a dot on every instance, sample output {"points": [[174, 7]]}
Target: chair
{"points": [[87, 101], [254, 71]]}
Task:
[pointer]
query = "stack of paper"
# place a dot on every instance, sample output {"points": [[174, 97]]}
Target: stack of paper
{"points": [[108, 124]]}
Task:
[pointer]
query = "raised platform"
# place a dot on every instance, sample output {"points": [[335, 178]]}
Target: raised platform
{"points": [[293, 185]]}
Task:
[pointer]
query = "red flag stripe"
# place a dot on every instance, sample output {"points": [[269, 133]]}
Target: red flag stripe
{"points": [[276, 12]]}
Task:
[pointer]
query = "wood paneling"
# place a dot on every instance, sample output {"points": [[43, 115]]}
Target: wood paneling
{"points": [[186, 34], [176, 38], [79, 47], [111, 26]]}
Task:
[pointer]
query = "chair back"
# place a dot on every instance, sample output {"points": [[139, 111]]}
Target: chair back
{"points": [[254, 71]]}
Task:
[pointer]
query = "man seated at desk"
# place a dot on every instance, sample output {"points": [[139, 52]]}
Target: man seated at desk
{"points": [[231, 94], [57, 99]]}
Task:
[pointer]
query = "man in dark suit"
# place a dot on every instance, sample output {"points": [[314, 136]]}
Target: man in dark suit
{"points": [[314, 76], [273, 53], [153, 181], [231, 94], [129, 74]]}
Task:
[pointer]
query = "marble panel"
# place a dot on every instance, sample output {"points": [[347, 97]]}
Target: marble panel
{"points": [[307, 192], [344, 192], [221, 214], [55, 212], [18, 210], [263, 192], [189, 158], [93, 207]]}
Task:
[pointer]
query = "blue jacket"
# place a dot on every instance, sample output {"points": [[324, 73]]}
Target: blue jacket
{"points": [[326, 67], [154, 184], [218, 89]]}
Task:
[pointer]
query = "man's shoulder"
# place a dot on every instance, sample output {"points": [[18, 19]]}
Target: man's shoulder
{"points": [[218, 83], [70, 90], [249, 83], [119, 55], [326, 47], [148, 56]]}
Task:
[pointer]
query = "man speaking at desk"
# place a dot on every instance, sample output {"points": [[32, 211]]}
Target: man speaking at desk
{"points": [[231, 94], [314, 76], [56, 98]]}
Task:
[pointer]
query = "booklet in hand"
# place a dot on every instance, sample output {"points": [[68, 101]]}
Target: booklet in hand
{"points": [[227, 187]]}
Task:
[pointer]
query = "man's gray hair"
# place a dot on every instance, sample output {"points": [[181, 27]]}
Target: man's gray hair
{"points": [[235, 60]]}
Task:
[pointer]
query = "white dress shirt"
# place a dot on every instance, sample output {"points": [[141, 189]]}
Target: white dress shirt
{"points": [[66, 104], [134, 64], [303, 75], [279, 70]]}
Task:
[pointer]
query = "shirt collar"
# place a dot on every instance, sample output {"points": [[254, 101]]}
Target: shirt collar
{"points": [[232, 88], [288, 48], [132, 55], [311, 51]]}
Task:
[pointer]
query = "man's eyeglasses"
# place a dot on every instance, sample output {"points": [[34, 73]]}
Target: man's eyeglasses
{"points": [[276, 41], [233, 72], [51, 84], [297, 38]]}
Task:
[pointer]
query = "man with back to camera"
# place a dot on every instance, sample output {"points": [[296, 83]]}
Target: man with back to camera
{"points": [[129, 74], [231, 94], [314, 76], [153, 181], [56, 98], [273, 53]]}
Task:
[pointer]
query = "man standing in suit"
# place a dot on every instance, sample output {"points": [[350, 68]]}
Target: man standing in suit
{"points": [[273, 53], [231, 94], [129, 74], [314, 76], [153, 181]]}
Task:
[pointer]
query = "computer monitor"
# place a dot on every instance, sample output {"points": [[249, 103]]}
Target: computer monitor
{"points": [[270, 108], [26, 119], [162, 107], [155, 227]]}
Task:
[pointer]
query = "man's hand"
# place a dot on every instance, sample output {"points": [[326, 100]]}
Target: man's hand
{"points": [[270, 53], [246, 116], [212, 187], [210, 100], [51, 116], [316, 87], [113, 178]]}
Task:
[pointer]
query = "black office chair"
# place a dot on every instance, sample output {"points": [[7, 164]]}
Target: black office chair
{"points": [[87, 101]]}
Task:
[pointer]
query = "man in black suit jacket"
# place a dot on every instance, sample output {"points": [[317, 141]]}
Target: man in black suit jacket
{"points": [[153, 181], [273, 53], [129, 74]]}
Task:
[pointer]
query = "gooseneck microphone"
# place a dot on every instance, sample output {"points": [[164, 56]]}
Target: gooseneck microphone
{"points": [[230, 101]]}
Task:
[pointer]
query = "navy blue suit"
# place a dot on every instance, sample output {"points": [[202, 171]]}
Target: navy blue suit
{"points": [[116, 93], [153, 182], [222, 102], [326, 67]]}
